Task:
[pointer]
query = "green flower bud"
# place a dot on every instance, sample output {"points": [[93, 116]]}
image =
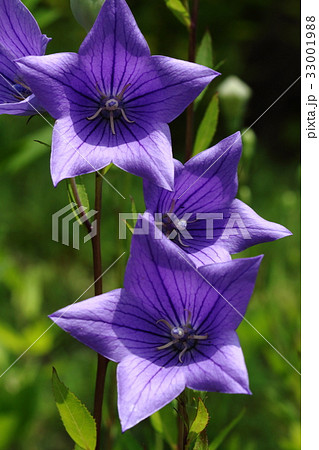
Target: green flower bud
{"points": [[234, 95], [86, 11]]}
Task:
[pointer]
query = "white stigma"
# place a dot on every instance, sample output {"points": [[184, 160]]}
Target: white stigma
{"points": [[177, 332], [181, 225]]}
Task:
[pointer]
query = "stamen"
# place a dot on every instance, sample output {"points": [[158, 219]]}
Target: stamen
{"points": [[120, 95], [182, 353], [125, 116], [167, 345], [112, 122], [112, 103], [188, 317], [172, 206], [102, 94], [166, 323], [180, 241], [196, 336], [95, 115]]}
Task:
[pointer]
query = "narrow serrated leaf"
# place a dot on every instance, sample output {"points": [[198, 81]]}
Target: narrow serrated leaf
{"points": [[76, 419], [180, 11], [201, 420], [223, 434], [207, 127]]}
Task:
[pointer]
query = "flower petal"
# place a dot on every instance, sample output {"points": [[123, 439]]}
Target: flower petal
{"points": [[115, 42], [19, 31], [91, 322], [27, 107], [202, 255], [83, 146], [241, 228], [61, 84], [207, 183], [159, 274], [218, 366], [153, 193], [145, 386], [231, 285], [165, 87], [209, 180]]}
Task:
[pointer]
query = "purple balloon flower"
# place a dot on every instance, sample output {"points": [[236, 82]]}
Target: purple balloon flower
{"points": [[201, 214], [113, 100], [20, 36], [171, 327]]}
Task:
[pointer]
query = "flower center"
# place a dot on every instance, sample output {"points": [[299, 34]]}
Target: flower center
{"points": [[21, 91], [184, 337], [111, 108]]}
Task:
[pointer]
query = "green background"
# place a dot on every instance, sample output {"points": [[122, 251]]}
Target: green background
{"points": [[258, 41]]}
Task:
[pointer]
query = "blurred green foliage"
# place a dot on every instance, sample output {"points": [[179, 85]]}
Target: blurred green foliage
{"points": [[257, 41]]}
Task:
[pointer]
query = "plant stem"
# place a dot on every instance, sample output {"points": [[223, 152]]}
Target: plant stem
{"points": [[191, 58], [183, 421], [98, 289]]}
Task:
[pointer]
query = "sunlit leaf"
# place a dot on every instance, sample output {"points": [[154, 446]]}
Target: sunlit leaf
{"points": [[207, 128], [201, 420], [219, 439], [82, 194], [201, 442], [204, 57], [205, 51], [77, 420], [198, 426], [180, 11]]}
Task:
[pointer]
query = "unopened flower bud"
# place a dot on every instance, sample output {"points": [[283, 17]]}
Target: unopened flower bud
{"points": [[234, 95], [86, 11]]}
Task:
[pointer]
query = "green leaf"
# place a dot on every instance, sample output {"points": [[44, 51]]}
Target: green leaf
{"points": [[223, 434], [180, 11], [200, 422], [76, 419], [106, 169], [205, 58], [205, 51], [164, 422], [201, 442], [84, 199], [207, 128]]}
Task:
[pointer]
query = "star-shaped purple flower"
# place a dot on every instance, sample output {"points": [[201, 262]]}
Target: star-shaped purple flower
{"points": [[20, 36], [201, 214], [113, 100], [171, 327]]}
